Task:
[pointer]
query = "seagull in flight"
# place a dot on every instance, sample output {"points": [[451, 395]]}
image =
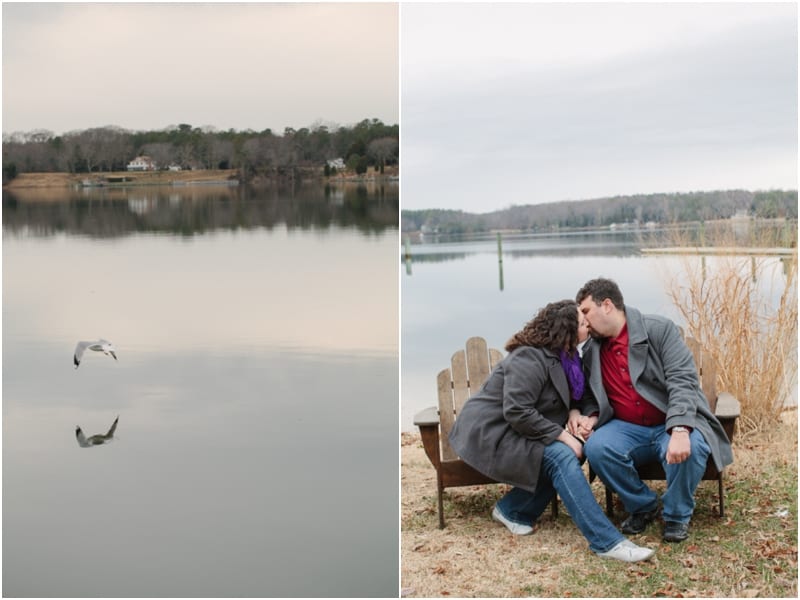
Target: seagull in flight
{"points": [[97, 439], [100, 345]]}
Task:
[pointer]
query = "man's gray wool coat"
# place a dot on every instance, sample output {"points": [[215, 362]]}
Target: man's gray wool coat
{"points": [[663, 372]]}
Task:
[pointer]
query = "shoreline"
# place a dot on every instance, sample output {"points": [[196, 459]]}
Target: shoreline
{"points": [[115, 178], [175, 178]]}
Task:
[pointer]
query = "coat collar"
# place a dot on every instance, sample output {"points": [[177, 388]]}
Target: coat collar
{"points": [[637, 333], [637, 350], [637, 343]]}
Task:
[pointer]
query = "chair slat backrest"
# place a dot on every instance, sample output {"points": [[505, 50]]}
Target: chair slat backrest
{"points": [[458, 366], [477, 365], [467, 373], [447, 415], [706, 371], [708, 380]]}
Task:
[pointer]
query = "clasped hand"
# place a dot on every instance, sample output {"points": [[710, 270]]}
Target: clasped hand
{"points": [[579, 425]]}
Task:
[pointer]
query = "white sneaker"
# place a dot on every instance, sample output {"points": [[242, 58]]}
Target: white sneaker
{"points": [[515, 528], [628, 551]]}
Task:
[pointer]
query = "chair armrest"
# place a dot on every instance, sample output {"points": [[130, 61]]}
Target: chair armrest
{"points": [[727, 406], [429, 416], [727, 412], [429, 432]]}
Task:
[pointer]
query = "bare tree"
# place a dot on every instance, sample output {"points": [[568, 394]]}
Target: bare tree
{"points": [[383, 150], [221, 152], [162, 153]]}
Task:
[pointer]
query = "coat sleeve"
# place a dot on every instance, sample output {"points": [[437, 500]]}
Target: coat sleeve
{"points": [[525, 380], [680, 377]]}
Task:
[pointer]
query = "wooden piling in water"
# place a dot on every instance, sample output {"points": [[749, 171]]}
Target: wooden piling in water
{"points": [[499, 247], [500, 257], [407, 254]]}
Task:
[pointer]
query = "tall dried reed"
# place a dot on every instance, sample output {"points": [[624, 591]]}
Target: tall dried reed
{"points": [[742, 308]]}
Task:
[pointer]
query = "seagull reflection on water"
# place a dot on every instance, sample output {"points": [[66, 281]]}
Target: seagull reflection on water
{"points": [[97, 439], [100, 345]]}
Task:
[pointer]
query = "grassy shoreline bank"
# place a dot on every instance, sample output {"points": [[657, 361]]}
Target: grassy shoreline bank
{"points": [[134, 178], [752, 552], [61, 179]]}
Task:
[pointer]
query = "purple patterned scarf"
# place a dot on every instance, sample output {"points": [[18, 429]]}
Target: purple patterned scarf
{"points": [[574, 372]]}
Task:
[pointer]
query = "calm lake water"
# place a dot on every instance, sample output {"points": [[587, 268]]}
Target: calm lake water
{"points": [[256, 387], [451, 291]]}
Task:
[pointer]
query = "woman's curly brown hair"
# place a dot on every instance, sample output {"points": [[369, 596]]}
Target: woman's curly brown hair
{"points": [[554, 327]]}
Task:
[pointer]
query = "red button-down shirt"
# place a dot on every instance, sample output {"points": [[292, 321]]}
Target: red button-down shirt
{"points": [[628, 405]]}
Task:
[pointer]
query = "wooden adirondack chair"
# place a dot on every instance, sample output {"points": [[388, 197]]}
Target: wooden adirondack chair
{"points": [[468, 370], [724, 405]]}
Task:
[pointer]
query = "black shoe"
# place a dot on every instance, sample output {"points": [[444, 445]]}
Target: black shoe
{"points": [[675, 532], [637, 522]]}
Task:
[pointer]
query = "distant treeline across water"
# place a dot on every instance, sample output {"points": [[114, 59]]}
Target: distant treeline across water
{"points": [[369, 143], [604, 212]]}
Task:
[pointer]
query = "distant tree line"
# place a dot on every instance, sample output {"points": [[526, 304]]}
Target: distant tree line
{"points": [[604, 212], [369, 143]]}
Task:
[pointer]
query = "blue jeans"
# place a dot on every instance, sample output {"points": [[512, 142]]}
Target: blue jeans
{"points": [[561, 473], [617, 447]]}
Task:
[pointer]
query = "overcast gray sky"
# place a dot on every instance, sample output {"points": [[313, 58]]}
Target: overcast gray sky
{"points": [[242, 66], [527, 103]]}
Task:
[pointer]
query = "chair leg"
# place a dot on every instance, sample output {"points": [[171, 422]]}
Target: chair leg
{"points": [[721, 500], [609, 502], [440, 489], [554, 506], [609, 495]]}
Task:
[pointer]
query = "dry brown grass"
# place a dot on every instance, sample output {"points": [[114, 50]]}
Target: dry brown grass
{"points": [[61, 180], [751, 552], [39, 181], [728, 304]]}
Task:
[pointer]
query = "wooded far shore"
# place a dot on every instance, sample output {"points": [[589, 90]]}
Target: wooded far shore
{"points": [[641, 210], [369, 145]]}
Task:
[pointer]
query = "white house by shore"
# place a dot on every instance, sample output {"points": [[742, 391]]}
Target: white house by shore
{"points": [[142, 163], [337, 163]]}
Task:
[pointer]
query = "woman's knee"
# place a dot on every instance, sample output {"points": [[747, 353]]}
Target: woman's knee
{"points": [[560, 455], [558, 451], [560, 462]]}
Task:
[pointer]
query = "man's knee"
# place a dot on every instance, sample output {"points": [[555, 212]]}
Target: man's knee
{"points": [[595, 445], [589, 447], [700, 453]]}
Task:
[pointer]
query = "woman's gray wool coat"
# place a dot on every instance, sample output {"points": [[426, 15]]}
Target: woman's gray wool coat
{"points": [[524, 405]]}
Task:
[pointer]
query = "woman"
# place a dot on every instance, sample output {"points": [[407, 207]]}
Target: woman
{"points": [[513, 430]]}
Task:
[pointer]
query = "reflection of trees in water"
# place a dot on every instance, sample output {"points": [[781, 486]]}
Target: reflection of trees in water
{"points": [[600, 250], [516, 246], [109, 212]]}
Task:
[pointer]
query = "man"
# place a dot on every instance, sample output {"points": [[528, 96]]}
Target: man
{"points": [[651, 409]]}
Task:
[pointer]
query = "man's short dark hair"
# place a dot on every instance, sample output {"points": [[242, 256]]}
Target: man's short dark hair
{"points": [[600, 289]]}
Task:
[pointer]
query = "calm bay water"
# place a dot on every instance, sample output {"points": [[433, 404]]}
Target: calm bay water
{"points": [[451, 291], [256, 388]]}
